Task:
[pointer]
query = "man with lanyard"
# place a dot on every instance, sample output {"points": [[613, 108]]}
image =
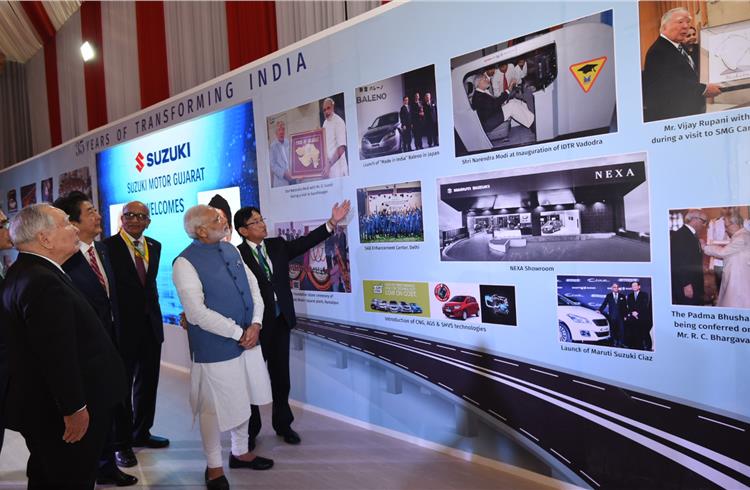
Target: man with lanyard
{"points": [[135, 262]]}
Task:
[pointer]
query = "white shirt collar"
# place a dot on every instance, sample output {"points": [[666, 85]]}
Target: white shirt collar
{"points": [[690, 228], [85, 247]]}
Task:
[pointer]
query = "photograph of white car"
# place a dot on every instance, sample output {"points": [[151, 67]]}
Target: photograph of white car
{"points": [[576, 323]]}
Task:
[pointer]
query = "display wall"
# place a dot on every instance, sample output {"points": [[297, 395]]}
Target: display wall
{"points": [[491, 224]]}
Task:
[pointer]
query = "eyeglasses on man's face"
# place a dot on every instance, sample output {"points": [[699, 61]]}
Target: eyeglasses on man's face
{"points": [[255, 222], [136, 216]]}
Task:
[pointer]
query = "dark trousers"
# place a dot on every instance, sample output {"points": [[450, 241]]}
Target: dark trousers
{"points": [[133, 422], [111, 443], [274, 342], [53, 463]]}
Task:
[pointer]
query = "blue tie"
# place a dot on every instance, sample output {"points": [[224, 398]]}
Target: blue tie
{"points": [[263, 262]]}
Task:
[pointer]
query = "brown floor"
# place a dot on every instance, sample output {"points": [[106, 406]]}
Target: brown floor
{"points": [[333, 455]]}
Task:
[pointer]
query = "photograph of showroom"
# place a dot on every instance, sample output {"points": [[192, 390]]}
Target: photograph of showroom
{"points": [[594, 210], [710, 256], [390, 213], [398, 114], [611, 311], [325, 267], [308, 143], [695, 57], [554, 84]]}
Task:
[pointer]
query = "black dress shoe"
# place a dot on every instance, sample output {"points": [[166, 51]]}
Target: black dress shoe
{"points": [[113, 476], [259, 463], [290, 436], [220, 483], [153, 442], [125, 458]]}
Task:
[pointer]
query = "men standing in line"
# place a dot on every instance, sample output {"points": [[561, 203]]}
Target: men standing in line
{"points": [[335, 131], [278, 154], [91, 273], [268, 259], [223, 309], [135, 263], [671, 86], [65, 373], [639, 316], [616, 308], [686, 257], [404, 116], [5, 244], [417, 120], [430, 120]]}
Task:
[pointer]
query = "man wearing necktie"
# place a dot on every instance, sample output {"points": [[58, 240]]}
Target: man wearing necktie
{"points": [[268, 259], [5, 244], [135, 263], [65, 374], [615, 307], [686, 259], [91, 273], [639, 312], [671, 85]]}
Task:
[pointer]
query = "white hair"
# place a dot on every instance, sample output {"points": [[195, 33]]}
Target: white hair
{"points": [[26, 225], [669, 14], [195, 217], [735, 219], [328, 100]]}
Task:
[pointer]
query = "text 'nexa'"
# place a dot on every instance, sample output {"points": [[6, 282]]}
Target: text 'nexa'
{"points": [[166, 155]]}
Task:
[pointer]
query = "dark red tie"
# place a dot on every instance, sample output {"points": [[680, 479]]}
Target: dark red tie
{"points": [[140, 267], [95, 266]]}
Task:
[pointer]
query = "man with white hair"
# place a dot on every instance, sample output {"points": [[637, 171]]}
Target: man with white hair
{"points": [[278, 156], [65, 375], [224, 309], [5, 244], [335, 131], [671, 85], [733, 292], [492, 111], [686, 259]]}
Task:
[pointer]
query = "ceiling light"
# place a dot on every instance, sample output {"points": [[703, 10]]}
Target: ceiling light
{"points": [[87, 51]]}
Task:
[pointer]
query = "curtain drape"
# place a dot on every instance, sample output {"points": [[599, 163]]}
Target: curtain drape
{"points": [[36, 88], [298, 20], [196, 43], [121, 59], [15, 132], [251, 31], [72, 90]]}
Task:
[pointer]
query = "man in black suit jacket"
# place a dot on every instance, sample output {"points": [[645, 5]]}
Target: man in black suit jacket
{"points": [[671, 85], [268, 259], [686, 258], [135, 263], [404, 117], [65, 373], [430, 120], [616, 307], [5, 244], [91, 272], [639, 318]]}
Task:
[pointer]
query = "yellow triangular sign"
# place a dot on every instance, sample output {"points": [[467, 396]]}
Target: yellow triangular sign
{"points": [[586, 72]]}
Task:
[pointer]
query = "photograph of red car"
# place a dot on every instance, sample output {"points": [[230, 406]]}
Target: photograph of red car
{"points": [[461, 307]]}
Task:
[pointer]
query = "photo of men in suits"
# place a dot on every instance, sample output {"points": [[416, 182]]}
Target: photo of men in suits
{"points": [[615, 308], [65, 375], [686, 259], [268, 259], [91, 273], [135, 263], [639, 319]]}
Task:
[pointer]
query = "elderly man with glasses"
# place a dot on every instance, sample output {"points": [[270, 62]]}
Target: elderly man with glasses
{"points": [[268, 259], [135, 263], [686, 258]]}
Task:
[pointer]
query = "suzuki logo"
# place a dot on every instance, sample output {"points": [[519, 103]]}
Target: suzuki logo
{"points": [[139, 162]]}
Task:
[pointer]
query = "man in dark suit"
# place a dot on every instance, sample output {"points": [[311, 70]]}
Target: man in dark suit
{"points": [[268, 259], [615, 307], [91, 272], [417, 120], [135, 263], [430, 120], [671, 85], [65, 373], [404, 116], [639, 318], [686, 258], [5, 244]]}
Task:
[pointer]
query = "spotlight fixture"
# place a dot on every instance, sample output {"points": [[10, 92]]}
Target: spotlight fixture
{"points": [[87, 51]]}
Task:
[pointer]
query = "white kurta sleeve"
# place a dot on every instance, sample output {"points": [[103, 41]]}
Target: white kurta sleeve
{"points": [[258, 306], [190, 291]]}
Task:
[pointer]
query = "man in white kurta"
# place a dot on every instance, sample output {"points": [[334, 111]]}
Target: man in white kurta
{"points": [[335, 131], [735, 282], [228, 372]]}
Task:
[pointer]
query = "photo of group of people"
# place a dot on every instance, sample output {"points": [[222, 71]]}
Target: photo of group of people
{"points": [[308, 143], [390, 213], [554, 84], [587, 210], [695, 57], [611, 311], [398, 114], [325, 267], [710, 256]]}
